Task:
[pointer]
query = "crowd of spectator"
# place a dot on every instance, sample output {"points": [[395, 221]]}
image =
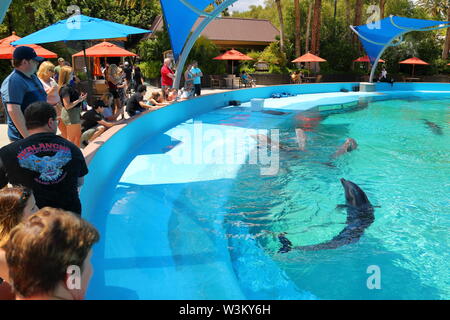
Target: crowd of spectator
{"points": [[42, 234]]}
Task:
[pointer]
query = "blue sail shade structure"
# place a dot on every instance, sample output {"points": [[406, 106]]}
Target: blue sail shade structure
{"points": [[179, 18], [376, 37], [4, 5], [80, 27]]}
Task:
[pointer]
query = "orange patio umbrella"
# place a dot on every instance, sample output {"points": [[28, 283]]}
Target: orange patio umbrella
{"points": [[309, 57], [366, 59], [7, 50], [232, 55], [413, 61], [105, 49]]}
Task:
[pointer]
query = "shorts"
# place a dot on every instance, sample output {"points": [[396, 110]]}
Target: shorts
{"points": [[71, 116], [114, 93]]}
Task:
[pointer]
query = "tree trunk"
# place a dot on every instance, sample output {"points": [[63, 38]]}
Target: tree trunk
{"points": [[10, 22], [308, 27], [358, 12], [297, 27], [358, 19], [348, 15], [382, 5], [280, 17], [447, 39], [315, 38]]}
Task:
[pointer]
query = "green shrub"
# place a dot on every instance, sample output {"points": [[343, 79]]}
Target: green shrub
{"points": [[246, 68], [151, 69], [275, 69], [203, 51], [82, 76]]}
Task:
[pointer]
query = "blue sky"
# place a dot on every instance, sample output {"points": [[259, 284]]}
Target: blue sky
{"points": [[242, 5]]}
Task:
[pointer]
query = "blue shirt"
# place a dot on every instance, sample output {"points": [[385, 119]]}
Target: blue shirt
{"points": [[197, 80], [19, 89]]}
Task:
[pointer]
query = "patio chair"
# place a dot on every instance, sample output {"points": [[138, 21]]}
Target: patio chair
{"points": [[216, 82], [318, 78]]}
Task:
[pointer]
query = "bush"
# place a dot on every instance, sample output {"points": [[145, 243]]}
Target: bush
{"points": [[275, 69], [151, 69], [203, 51], [273, 55], [246, 68], [82, 76], [440, 66]]}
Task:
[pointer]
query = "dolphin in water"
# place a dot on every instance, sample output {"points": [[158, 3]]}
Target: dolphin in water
{"points": [[264, 140], [301, 138], [360, 215], [348, 146], [436, 129]]}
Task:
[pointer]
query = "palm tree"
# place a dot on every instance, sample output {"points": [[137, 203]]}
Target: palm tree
{"points": [[439, 9], [382, 5], [297, 27], [308, 26], [447, 39], [280, 17], [358, 18], [348, 11], [315, 38]]}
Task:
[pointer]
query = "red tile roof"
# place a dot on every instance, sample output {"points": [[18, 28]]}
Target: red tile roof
{"points": [[233, 29]]}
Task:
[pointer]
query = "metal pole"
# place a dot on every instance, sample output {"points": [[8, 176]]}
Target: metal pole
{"points": [[90, 98]]}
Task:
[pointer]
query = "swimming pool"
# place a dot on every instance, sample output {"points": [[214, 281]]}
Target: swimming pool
{"points": [[205, 228]]}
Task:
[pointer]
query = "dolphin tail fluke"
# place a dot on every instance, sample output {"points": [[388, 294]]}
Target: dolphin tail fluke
{"points": [[287, 245]]}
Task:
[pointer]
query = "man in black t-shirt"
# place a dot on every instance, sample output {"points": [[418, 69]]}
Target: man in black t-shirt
{"points": [[93, 123], [49, 165], [136, 104]]}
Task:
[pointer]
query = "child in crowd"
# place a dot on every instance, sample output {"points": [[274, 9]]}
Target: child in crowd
{"points": [[172, 95], [108, 100], [187, 92], [43, 252], [16, 204]]}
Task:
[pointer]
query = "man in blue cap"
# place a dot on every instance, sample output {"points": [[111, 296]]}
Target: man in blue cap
{"points": [[20, 89]]}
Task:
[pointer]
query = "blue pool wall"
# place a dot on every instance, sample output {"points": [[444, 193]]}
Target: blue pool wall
{"points": [[109, 162], [112, 158]]}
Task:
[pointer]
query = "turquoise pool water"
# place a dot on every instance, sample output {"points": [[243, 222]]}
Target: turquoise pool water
{"points": [[401, 165], [208, 231]]}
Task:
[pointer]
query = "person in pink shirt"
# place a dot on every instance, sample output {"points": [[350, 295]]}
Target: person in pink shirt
{"points": [[167, 76]]}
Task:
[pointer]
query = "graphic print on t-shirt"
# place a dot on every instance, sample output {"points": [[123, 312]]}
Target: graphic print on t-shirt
{"points": [[49, 167]]}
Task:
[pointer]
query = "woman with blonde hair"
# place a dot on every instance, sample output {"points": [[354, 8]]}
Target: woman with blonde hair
{"points": [[113, 79], [16, 204], [46, 74], [72, 101]]}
